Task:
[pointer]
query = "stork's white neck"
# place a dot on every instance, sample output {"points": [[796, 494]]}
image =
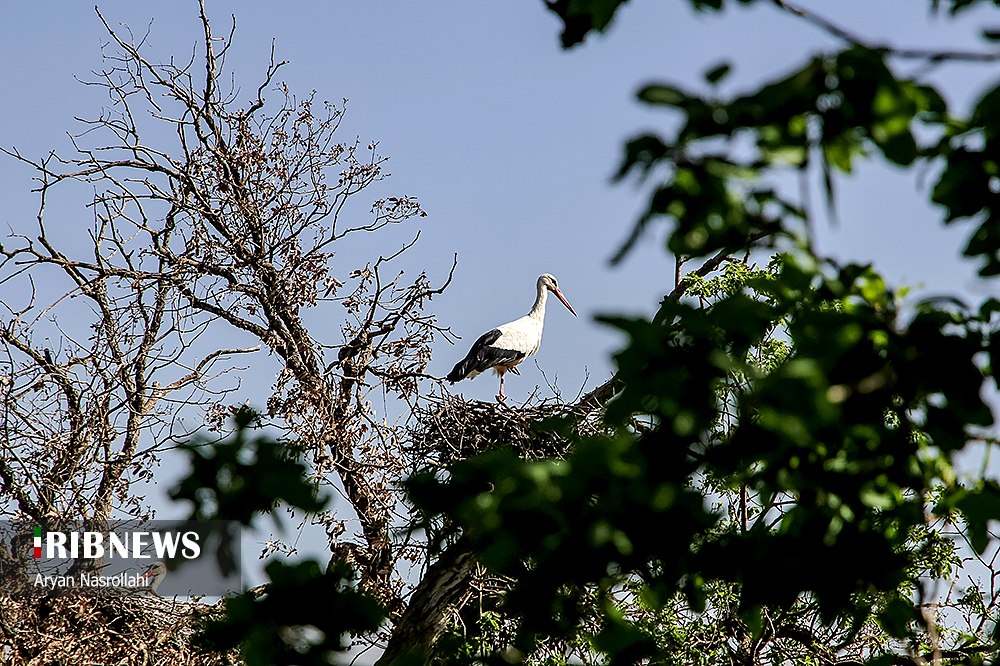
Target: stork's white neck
{"points": [[538, 309]]}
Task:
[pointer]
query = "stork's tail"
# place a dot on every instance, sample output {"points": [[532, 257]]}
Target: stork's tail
{"points": [[461, 370], [482, 357], [476, 358]]}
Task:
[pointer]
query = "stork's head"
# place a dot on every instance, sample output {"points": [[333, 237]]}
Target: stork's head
{"points": [[549, 282], [154, 575]]}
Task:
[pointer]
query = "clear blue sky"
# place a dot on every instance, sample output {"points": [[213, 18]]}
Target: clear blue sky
{"points": [[507, 140]]}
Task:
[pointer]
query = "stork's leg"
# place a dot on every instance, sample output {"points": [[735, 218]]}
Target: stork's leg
{"points": [[501, 396]]}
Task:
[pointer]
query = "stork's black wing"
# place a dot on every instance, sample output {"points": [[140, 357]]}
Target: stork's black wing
{"points": [[483, 356]]}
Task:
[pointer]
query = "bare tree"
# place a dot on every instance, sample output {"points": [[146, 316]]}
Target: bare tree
{"points": [[229, 232]]}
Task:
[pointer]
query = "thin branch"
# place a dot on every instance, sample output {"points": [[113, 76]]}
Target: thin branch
{"points": [[931, 55]]}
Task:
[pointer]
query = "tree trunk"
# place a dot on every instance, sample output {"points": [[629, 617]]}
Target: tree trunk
{"points": [[439, 593]]}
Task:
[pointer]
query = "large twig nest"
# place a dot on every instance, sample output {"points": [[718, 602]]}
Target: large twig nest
{"points": [[79, 629], [449, 429]]}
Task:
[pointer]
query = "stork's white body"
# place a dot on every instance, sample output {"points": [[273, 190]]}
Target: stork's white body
{"points": [[522, 336], [504, 347]]}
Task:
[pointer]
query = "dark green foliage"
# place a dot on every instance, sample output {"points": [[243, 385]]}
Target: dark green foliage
{"points": [[718, 72], [580, 17], [804, 391], [301, 618], [852, 101], [239, 477], [484, 638], [304, 613], [969, 187], [803, 395], [573, 519], [852, 429], [956, 6]]}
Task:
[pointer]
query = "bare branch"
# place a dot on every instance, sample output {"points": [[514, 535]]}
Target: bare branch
{"points": [[930, 55]]}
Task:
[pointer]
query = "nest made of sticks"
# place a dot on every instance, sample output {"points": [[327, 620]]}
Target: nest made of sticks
{"points": [[448, 429], [84, 629]]}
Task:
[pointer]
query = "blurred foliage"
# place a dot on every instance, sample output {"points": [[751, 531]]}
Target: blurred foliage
{"points": [[237, 478], [798, 384], [301, 617], [242, 476], [581, 17], [778, 468], [783, 446], [836, 108], [302, 614]]}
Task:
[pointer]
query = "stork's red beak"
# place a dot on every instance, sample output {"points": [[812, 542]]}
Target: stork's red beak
{"points": [[564, 301]]}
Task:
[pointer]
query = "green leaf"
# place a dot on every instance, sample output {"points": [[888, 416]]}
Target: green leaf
{"points": [[718, 72], [662, 94], [304, 615], [580, 17], [238, 478]]}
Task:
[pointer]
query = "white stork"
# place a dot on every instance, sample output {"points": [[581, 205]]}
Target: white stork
{"points": [[153, 576], [506, 346]]}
